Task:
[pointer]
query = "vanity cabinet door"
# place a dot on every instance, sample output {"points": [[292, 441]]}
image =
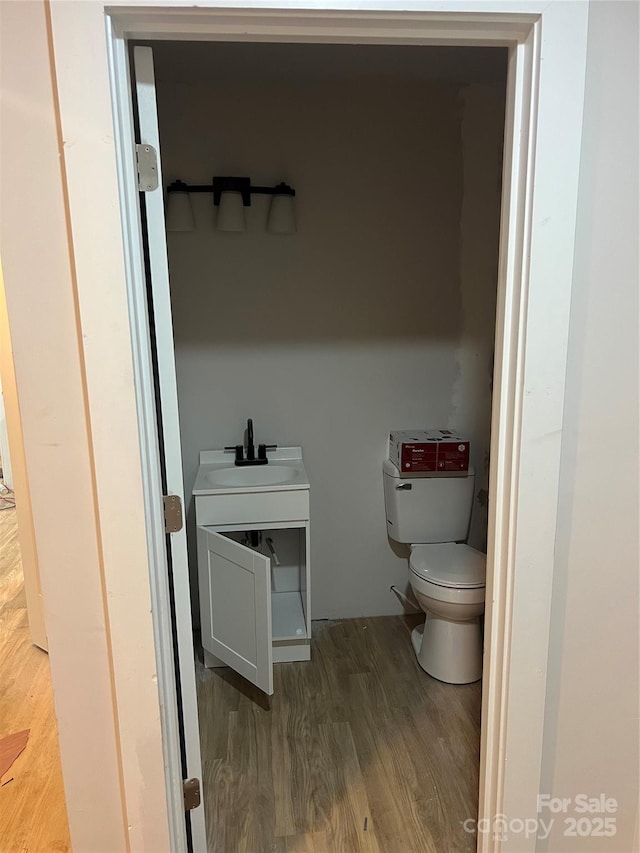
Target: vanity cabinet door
{"points": [[235, 606]]}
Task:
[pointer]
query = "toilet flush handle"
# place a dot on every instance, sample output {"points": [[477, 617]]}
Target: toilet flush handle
{"points": [[406, 487]]}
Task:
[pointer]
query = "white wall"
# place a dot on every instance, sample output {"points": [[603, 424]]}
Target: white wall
{"points": [[352, 327], [591, 729], [5, 458], [19, 481]]}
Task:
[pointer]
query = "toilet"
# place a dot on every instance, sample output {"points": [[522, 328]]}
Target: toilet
{"points": [[431, 514]]}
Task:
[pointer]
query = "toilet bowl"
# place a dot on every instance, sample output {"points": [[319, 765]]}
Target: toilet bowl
{"points": [[448, 580], [431, 514]]}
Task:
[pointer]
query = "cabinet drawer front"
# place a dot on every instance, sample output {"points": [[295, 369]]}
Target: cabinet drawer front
{"points": [[249, 508]]}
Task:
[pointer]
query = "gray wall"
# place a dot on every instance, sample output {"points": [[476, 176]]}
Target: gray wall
{"points": [[482, 134], [354, 326], [591, 729]]}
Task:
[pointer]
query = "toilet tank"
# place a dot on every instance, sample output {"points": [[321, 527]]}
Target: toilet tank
{"points": [[427, 509]]}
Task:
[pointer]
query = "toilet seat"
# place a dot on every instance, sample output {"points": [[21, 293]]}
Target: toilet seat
{"points": [[448, 564]]}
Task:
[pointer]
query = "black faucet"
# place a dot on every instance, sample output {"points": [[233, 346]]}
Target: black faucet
{"points": [[251, 450]]}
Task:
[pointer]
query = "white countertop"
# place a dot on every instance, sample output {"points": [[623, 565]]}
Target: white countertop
{"points": [[215, 463]]}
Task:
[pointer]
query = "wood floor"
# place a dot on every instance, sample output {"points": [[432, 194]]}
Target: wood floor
{"points": [[33, 816], [357, 750]]}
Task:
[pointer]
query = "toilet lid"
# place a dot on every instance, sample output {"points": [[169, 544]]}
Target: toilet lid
{"points": [[449, 564]]}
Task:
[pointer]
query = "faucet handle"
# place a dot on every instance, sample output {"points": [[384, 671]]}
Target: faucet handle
{"points": [[239, 450], [262, 450]]}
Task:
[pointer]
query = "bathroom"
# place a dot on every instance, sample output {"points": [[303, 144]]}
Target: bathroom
{"points": [[377, 314]]}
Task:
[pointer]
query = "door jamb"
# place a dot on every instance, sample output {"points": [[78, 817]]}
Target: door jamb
{"points": [[120, 77]]}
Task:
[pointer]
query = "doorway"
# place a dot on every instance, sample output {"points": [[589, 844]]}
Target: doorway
{"points": [[522, 33], [381, 306]]}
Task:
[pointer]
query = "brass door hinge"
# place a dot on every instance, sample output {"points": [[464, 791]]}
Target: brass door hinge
{"points": [[172, 513], [147, 161], [191, 790]]}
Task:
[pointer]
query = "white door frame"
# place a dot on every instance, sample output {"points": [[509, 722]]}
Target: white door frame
{"points": [[536, 263]]}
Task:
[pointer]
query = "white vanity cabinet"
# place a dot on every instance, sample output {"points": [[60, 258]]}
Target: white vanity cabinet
{"points": [[255, 605]]}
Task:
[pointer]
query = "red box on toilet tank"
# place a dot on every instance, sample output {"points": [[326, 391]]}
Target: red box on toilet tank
{"points": [[428, 451]]}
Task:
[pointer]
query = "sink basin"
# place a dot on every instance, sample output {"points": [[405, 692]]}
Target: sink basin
{"points": [[217, 475], [260, 475]]}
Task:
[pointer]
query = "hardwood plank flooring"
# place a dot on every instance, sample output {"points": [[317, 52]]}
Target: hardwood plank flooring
{"points": [[357, 751], [33, 815]]}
